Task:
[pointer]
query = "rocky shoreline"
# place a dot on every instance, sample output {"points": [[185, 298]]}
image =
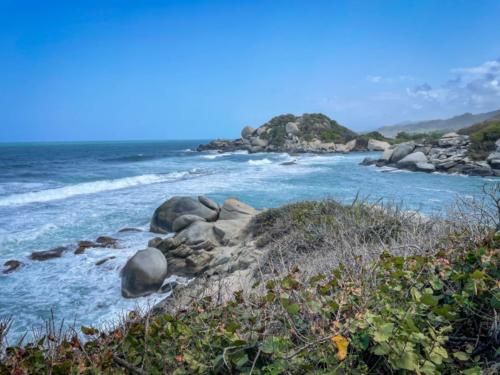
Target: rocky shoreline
{"points": [[448, 155], [197, 238], [309, 133]]}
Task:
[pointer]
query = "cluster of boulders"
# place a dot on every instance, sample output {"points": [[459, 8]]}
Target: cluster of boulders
{"points": [[207, 240], [292, 139], [449, 155]]}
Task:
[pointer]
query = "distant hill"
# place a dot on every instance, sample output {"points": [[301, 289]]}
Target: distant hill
{"points": [[440, 125]]}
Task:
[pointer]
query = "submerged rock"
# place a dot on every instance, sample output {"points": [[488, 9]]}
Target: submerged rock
{"points": [[48, 254], [130, 229], [84, 245], [11, 265], [144, 273], [102, 261], [107, 241]]}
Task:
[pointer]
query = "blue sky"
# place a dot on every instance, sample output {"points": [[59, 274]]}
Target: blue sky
{"points": [[105, 70]]}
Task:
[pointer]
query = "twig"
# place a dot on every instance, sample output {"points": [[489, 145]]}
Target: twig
{"points": [[128, 366]]}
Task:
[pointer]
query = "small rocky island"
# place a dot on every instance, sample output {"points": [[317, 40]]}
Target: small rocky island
{"points": [[311, 132]]}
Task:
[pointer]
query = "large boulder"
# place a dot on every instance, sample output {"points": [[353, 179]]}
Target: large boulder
{"points": [[494, 160], [425, 167], [144, 273], [452, 139], [196, 233], [165, 215], [375, 145], [410, 161], [292, 128], [401, 150], [386, 156], [234, 209], [247, 132], [497, 145], [259, 142], [185, 220], [351, 145], [368, 161]]}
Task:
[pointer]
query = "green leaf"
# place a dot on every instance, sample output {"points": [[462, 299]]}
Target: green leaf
{"points": [[407, 361], [429, 300], [436, 283], [461, 356], [472, 371], [383, 332], [240, 359], [477, 275], [428, 368], [495, 300], [437, 355], [381, 349], [293, 308]]}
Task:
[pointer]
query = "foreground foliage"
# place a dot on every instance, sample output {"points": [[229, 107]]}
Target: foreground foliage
{"points": [[432, 314]]}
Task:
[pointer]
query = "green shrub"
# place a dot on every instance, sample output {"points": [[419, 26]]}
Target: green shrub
{"points": [[483, 137], [419, 314]]}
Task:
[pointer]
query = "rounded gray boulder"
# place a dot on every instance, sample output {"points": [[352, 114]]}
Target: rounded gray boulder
{"points": [[401, 150], [185, 220], [144, 273], [165, 215], [409, 161], [247, 132]]}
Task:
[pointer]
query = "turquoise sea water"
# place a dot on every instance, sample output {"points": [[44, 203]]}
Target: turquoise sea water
{"points": [[57, 194]]}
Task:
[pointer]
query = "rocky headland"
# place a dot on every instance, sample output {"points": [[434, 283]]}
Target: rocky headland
{"points": [[450, 154], [309, 133]]}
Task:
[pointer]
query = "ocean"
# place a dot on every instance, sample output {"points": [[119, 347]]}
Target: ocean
{"points": [[56, 194]]}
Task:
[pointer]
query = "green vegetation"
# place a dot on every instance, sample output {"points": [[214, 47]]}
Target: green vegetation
{"points": [[362, 139], [432, 137], [311, 126], [424, 312], [483, 137]]}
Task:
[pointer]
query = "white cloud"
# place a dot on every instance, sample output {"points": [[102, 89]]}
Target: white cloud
{"points": [[382, 79], [471, 88]]}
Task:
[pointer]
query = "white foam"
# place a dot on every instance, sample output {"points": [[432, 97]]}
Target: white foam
{"points": [[220, 155], [260, 162], [89, 188]]}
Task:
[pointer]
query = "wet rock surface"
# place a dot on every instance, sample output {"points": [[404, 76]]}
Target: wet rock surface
{"points": [[48, 254], [11, 265]]}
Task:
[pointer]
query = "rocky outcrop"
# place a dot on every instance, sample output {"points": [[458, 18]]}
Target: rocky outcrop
{"points": [[204, 247], [144, 273], [314, 133], [193, 209], [410, 161], [48, 254], [449, 154], [375, 145], [11, 265]]}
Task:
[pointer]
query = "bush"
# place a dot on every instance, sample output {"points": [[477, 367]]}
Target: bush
{"points": [[419, 314], [483, 137], [432, 137]]}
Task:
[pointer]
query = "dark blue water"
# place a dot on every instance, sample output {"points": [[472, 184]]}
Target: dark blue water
{"points": [[57, 194]]}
